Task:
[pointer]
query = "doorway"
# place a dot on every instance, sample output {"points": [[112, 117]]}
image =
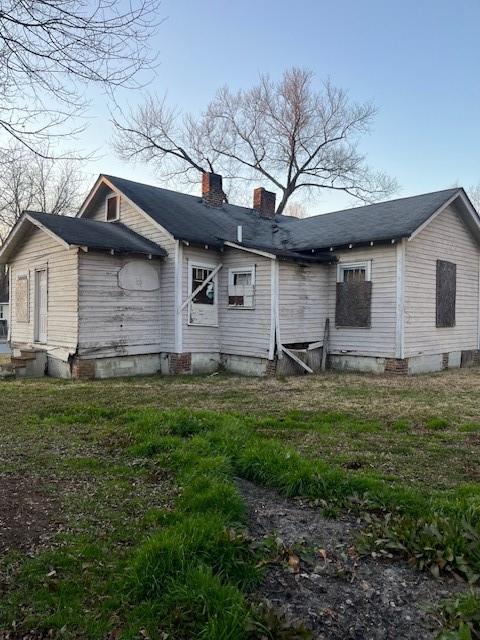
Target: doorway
{"points": [[41, 306]]}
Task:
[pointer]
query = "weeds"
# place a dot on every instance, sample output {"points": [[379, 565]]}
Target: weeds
{"points": [[461, 618], [188, 570]]}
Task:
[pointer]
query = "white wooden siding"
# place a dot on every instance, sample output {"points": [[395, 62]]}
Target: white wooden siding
{"points": [[379, 339], [445, 238], [140, 223], [303, 293], [112, 320], [38, 250], [245, 331]]}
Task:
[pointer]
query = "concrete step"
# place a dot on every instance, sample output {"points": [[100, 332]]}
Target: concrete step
{"points": [[6, 370], [28, 354]]}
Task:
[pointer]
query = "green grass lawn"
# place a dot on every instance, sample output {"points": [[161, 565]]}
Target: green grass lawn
{"points": [[146, 524]]}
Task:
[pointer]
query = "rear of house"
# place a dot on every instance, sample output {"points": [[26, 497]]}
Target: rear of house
{"points": [[147, 280]]}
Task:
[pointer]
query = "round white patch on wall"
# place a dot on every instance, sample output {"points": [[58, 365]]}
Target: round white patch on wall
{"points": [[138, 275]]}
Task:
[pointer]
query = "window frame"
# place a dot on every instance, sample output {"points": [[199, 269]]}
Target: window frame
{"points": [[117, 209], [22, 275], [438, 314], [350, 266], [231, 273], [198, 264]]}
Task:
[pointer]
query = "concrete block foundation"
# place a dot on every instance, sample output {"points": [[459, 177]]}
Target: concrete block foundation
{"points": [[207, 363]]}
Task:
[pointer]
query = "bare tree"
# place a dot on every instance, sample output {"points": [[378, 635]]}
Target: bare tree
{"points": [[286, 133], [52, 50], [29, 181], [296, 210], [474, 195]]}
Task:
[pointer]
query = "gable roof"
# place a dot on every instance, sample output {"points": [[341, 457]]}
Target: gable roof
{"points": [[78, 232], [380, 222], [188, 218]]}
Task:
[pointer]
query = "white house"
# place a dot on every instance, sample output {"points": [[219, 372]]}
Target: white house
{"points": [[145, 279]]}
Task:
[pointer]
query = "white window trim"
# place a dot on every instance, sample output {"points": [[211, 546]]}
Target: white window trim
{"points": [[36, 269], [117, 216], [231, 272], [194, 264], [345, 266]]}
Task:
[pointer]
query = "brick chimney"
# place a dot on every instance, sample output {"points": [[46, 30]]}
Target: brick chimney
{"points": [[212, 191], [264, 202]]}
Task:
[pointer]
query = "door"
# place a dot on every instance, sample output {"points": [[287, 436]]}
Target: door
{"points": [[41, 298]]}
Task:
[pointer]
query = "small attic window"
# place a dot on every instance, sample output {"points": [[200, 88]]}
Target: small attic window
{"points": [[112, 208]]}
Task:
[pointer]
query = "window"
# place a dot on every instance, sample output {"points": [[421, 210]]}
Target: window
{"points": [[241, 288], [354, 271], [207, 294], [354, 295], [202, 308], [446, 293], [22, 299], [112, 208]]}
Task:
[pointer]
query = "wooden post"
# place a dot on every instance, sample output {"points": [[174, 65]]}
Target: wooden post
{"points": [[326, 335]]}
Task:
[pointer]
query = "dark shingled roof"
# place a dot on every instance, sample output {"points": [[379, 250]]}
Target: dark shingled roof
{"points": [[188, 218], [97, 235], [379, 222]]}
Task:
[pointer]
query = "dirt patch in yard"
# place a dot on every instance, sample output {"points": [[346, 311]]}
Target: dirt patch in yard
{"points": [[27, 508], [322, 583]]}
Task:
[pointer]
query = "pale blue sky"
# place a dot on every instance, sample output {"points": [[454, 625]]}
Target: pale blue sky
{"points": [[417, 61]]}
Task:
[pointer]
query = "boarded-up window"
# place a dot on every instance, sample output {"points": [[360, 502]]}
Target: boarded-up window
{"points": [[446, 293], [353, 304], [22, 299]]}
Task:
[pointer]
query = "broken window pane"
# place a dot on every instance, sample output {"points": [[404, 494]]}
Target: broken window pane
{"points": [[355, 275], [242, 279], [241, 290], [207, 294]]}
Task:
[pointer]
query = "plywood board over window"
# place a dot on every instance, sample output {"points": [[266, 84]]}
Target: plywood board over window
{"points": [[354, 295], [446, 293], [353, 304], [22, 307]]}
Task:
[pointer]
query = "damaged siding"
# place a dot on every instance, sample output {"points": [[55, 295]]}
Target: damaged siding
{"points": [[379, 339], [445, 238], [139, 223], [40, 250], [115, 320], [303, 302], [245, 332]]}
